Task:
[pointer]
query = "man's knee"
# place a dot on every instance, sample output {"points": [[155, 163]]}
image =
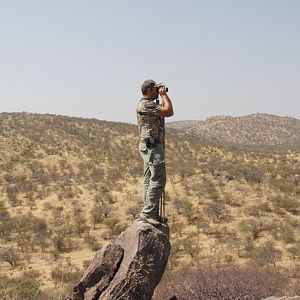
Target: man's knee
{"points": [[157, 184]]}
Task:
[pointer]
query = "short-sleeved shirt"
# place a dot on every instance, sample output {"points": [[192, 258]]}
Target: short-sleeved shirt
{"points": [[149, 123]]}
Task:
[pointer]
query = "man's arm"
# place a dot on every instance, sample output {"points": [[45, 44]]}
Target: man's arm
{"points": [[167, 107]]}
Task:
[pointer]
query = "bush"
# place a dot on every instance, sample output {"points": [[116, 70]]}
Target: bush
{"points": [[288, 203], [10, 256], [6, 228], [92, 242], [19, 288], [86, 263], [107, 234], [29, 289], [4, 214], [253, 227], [96, 215], [218, 283], [184, 207], [63, 243], [66, 273], [105, 210], [267, 253], [258, 210], [253, 175], [133, 211], [216, 210]]}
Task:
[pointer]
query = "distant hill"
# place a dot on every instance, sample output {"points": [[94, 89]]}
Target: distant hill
{"points": [[187, 124], [253, 131]]}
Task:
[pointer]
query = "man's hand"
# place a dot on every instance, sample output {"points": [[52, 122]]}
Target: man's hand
{"points": [[167, 108], [162, 91]]}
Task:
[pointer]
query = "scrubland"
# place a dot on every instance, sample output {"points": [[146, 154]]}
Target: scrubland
{"points": [[69, 186]]}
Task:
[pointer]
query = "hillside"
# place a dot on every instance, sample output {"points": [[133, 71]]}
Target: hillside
{"points": [[256, 131], [71, 185], [182, 125]]}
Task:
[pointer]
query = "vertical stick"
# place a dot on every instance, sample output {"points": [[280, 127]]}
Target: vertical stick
{"points": [[163, 194], [162, 212]]}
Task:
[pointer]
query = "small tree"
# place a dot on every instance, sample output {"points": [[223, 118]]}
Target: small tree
{"points": [[66, 273], [42, 239], [96, 215], [268, 254], [92, 242], [133, 211], [4, 214], [216, 210], [252, 226], [253, 175], [10, 256], [105, 210], [63, 243], [80, 224]]}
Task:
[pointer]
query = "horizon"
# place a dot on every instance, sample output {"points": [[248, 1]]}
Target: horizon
{"points": [[168, 120], [89, 59]]}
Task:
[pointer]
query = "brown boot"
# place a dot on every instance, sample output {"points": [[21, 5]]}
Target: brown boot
{"points": [[149, 220]]}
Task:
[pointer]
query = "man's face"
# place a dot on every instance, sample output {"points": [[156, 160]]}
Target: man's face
{"points": [[153, 93]]}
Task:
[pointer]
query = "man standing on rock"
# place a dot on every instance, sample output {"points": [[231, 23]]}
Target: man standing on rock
{"points": [[150, 117]]}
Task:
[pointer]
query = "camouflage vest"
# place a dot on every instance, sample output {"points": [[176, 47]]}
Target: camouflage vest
{"points": [[149, 124]]}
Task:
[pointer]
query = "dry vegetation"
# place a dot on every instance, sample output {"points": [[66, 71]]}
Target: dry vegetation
{"points": [[69, 186]]}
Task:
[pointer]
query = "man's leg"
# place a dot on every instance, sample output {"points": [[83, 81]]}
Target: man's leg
{"points": [[146, 179], [157, 181], [144, 152]]}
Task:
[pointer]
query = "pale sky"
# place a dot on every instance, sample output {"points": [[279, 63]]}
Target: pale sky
{"points": [[89, 58]]}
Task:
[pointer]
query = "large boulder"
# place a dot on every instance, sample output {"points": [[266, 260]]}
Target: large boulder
{"points": [[130, 268]]}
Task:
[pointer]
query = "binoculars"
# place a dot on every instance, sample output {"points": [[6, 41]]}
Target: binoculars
{"points": [[158, 86]]}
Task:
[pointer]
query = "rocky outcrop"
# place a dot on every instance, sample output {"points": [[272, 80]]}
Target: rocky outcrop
{"points": [[130, 268]]}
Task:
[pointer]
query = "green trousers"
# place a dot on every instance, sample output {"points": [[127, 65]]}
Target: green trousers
{"points": [[154, 179]]}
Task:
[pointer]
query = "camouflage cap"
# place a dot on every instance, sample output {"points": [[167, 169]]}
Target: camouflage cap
{"points": [[149, 83]]}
